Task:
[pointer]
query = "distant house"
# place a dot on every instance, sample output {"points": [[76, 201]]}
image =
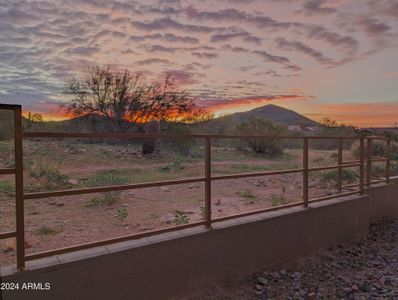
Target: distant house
{"points": [[379, 130], [294, 128], [311, 128]]}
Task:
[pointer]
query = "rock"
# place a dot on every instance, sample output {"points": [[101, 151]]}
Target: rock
{"points": [[73, 181], [165, 189], [262, 280]]}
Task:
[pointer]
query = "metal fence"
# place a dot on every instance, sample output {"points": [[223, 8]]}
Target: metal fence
{"points": [[365, 160]]}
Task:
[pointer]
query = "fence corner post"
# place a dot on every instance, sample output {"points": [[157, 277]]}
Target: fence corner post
{"points": [[208, 182], [340, 163], [388, 160], [361, 165], [19, 200], [305, 172], [369, 162]]}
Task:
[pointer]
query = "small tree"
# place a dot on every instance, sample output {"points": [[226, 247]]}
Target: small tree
{"points": [[268, 146], [124, 99]]}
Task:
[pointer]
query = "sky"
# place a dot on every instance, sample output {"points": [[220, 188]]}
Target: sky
{"points": [[321, 58]]}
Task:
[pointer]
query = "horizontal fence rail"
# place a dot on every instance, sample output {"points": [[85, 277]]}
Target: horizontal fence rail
{"points": [[364, 163]]}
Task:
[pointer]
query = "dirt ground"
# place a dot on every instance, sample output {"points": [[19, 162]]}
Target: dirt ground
{"points": [[57, 222], [363, 269]]}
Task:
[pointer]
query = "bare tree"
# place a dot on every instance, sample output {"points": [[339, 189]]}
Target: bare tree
{"points": [[124, 98]]}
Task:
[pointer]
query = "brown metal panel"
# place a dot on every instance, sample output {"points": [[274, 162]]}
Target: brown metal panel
{"points": [[369, 162], [208, 182], [388, 161], [10, 106], [6, 235], [362, 165], [110, 241], [256, 174], [333, 167], [7, 171], [305, 172], [19, 200], [255, 212], [169, 136], [333, 196], [340, 162], [109, 188]]}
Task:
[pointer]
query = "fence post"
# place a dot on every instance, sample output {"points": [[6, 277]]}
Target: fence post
{"points": [[19, 201], [305, 172], [340, 162], [208, 181], [361, 165], [388, 160], [369, 162]]}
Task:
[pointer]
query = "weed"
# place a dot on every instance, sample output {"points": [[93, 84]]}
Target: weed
{"points": [[9, 246], [346, 175], [122, 214], [47, 171], [7, 188], [5, 147], [181, 218], [106, 178], [277, 200], [44, 230], [249, 196], [174, 166], [203, 212], [319, 160]]}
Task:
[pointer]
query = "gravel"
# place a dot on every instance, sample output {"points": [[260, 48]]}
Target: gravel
{"points": [[363, 269]]}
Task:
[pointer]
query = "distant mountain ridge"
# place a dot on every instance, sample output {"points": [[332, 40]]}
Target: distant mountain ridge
{"points": [[271, 112]]}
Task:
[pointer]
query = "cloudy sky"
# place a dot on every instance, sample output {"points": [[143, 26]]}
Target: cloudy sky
{"points": [[335, 58]]}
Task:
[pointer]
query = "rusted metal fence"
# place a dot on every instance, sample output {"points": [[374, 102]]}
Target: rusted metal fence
{"points": [[207, 179]]}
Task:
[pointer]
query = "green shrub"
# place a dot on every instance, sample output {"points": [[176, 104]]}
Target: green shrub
{"points": [[277, 200], [180, 218], [7, 188], [268, 146], [249, 196], [106, 178], [47, 172], [44, 230], [346, 175], [121, 214]]}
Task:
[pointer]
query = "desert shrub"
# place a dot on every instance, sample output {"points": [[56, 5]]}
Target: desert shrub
{"points": [[268, 146], [47, 172], [44, 230], [249, 196], [379, 148], [182, 146], [334, 156], [346, 175], [106, 178], [180, 218], [277, 200], [7, 188], [378, 170], [122, 214]]}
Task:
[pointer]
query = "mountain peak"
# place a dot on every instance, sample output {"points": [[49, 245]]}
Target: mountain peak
{"points": [[276, 114]]}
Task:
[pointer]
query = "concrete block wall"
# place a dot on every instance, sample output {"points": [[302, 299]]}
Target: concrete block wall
{"points": [[176, 263]]}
